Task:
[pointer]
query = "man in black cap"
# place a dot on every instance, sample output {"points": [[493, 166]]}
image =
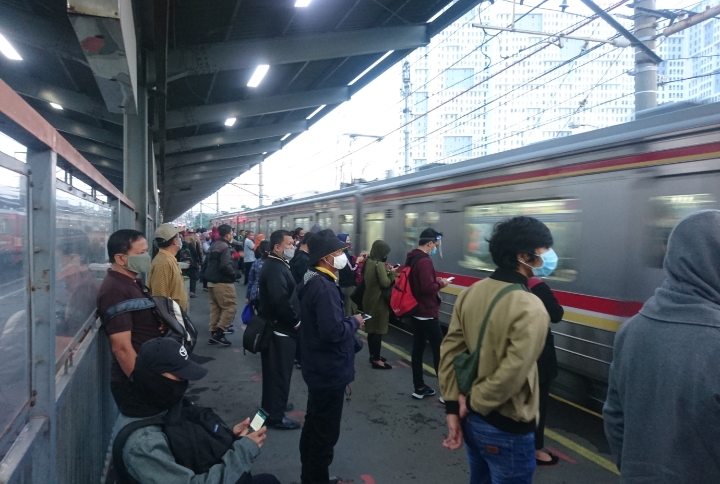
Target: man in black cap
{"points": [[280, 307], [328, 355], [152, 452]]}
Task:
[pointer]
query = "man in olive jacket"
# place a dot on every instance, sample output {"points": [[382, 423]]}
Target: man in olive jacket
{"points": [[503, 405]]}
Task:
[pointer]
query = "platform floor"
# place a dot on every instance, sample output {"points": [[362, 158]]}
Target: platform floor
{"points": [[387, 436]]}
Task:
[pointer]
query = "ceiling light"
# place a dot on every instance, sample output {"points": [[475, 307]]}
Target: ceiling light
{"points": [[285, 137], [316, 111], [8, 50], [370, 68], [258, 75], [264, 152], [302, 3], [230, 121], [56, 106]]}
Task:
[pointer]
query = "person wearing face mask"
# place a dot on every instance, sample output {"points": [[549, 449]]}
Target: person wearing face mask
{"points": [[498, 416], [328, 355], [425, 287], [220, 274], [348, 275], [161, 440], [280, 308], [128, 253], [165, 278], [378, 277]]}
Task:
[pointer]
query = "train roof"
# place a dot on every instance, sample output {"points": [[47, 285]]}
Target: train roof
{"points": [[660, 121]]}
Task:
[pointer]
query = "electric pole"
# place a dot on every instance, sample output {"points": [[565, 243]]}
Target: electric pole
{"points": [[217, 202], [406, 111], [260, 184], [646, 86]]}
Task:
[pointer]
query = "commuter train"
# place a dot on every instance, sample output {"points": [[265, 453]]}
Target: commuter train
{"points": [[610, 198]]}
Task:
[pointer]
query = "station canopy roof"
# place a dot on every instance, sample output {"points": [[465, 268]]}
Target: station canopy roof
{"points": [[201, 55]]}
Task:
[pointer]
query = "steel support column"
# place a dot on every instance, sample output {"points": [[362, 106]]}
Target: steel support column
{"points": [[135, 153], [42, 307]]}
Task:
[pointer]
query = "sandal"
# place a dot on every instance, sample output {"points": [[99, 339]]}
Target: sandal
{"points": [[553, 460], [384, 366]]}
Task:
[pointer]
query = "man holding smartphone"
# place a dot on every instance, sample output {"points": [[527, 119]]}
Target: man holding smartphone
{"points": [[328, 355]]}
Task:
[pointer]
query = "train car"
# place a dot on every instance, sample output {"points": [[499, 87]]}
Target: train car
{"points": [[610, 198]]}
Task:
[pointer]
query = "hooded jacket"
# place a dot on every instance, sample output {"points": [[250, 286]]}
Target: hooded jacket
{"points": [[220, 268], [424, 285], [327, 336], [662, 413], [377, 277]]}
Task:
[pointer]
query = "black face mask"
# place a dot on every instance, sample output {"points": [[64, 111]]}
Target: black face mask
{"points": [[154, 393]]}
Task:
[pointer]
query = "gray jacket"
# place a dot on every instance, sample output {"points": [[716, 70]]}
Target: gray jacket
{"points": [[220, 267], [148, 458], [662, 413]]}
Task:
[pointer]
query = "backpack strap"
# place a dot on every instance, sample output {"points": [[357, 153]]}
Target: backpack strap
{"points": [[126, 306], [498, 296], [121, 438], [417, 258]]}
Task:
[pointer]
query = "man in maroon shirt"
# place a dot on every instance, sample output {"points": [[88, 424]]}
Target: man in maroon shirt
{"points": [[425, 288], [128, 253]]}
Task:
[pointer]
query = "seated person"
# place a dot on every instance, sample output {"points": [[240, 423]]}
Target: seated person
{"points": [[165, 441]]}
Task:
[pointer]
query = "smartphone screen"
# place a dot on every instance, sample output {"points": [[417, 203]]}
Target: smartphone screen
{"points": [[258, 420], [451, 279], [366, 317]]}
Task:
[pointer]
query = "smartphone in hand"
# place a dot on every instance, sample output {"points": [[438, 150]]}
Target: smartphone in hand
{"points": [[258, 421], [366, 316]]}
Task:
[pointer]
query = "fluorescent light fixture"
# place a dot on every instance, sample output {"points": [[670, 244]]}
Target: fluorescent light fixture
{"points": [[316, 111], [442, 11], [258, 75], [370, 68], [302, 3], [8, 50], [56, 106], [264, 152], [230, 121], [285, 137]]}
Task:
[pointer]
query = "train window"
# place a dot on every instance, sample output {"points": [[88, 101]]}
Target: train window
{"points": [[346, 224], [374, 228], [303, 222], [665, 212], [252, 227], [416, 223], [271, 227], [560, 216]]}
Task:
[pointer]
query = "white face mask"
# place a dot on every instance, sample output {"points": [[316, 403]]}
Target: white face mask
{"points": [[289, 253], [340, 261]]}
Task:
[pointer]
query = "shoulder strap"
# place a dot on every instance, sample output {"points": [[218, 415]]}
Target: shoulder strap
{"points": [[119, 444], [534, 281], [417, 258], [500, 295], [126, 306]]}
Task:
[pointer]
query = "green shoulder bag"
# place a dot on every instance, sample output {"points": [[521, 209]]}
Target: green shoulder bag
{"points": [[466, 364]]}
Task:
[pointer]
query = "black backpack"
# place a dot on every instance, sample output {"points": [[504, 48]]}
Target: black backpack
{"points": [[166, 311], [197, 436], [256, 336]]}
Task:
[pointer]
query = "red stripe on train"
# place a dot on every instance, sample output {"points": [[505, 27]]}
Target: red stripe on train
{"points": [[612, 307], [562, 170]]}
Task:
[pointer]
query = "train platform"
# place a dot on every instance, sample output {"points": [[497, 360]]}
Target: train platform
{"points": [[387, 436]]}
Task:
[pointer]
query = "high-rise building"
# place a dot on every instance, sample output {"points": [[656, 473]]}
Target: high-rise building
{"points": [[480, 91]]}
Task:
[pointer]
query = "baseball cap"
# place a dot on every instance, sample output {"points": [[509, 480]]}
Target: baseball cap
{"points": [[165, 355], [166, 232]]}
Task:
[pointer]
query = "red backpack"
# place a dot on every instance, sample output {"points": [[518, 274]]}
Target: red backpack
{"points": [[402, 301]]}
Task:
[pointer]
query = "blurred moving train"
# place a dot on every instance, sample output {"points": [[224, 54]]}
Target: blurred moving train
{"points": [[610, 198]]}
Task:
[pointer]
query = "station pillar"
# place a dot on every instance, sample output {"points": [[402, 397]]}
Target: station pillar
{"points": [[135, 152]]}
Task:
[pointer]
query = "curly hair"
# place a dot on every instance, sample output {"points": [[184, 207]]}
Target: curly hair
{"points": [[518, 235]]}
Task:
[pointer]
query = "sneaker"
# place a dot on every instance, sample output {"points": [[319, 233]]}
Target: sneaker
{"points": [[426, 391], [230, 330], [441, 400], [218, 338]]}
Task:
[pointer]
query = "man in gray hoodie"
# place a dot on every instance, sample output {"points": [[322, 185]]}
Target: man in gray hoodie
{"points": [[662, 414]]}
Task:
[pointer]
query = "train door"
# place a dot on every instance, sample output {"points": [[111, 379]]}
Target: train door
{"points": [[660, 204], [374, 228], [325, 220], [418, 217], [285, 223]]}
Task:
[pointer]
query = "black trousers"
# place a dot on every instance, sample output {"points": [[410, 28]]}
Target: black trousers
{"points": [[122, 393], [248, 266], [192, 274], [540, 430], [424, 331], [277, 369], [320, 433], [374, 345]]}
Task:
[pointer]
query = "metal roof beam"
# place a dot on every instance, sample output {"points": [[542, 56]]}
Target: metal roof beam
{"points": [[36, 89], [234, 136], [209, 58], [193, 116], [222, 154], [227, 175], [67, 125], [100, 161], [86, 146], [215, 165]]}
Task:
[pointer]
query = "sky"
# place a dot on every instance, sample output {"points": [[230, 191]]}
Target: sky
{"points": [[311, 161]]}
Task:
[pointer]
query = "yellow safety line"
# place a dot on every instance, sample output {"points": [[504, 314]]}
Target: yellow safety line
{"points": [[577, 448], [572, 404]]}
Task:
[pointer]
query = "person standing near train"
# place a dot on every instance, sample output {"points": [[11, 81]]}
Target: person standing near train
{"points": [[249, 249], [498, 416], [662, 412], [378, 277], [425, 286], [348, 275]]}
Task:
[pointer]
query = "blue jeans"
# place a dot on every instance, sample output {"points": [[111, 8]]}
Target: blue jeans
{"points": [[497, 457]]}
